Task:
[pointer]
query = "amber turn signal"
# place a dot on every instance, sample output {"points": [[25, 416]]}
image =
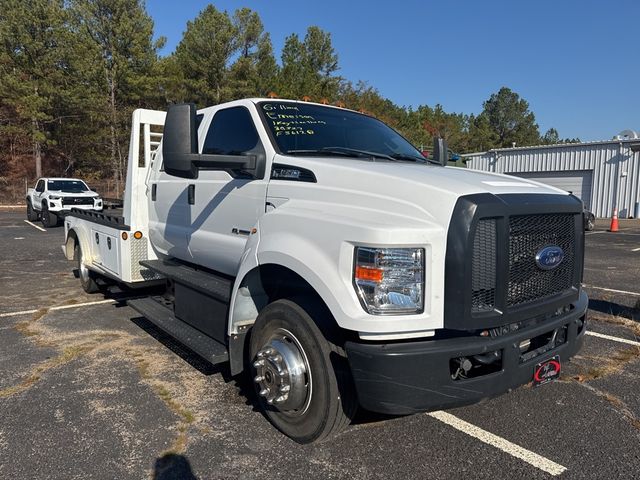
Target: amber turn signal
{"points": [[368, 273]]}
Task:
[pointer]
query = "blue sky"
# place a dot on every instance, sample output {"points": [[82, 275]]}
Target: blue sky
{"points": [[575, 62]]}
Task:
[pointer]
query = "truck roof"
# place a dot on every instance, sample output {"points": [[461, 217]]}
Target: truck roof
{"points": [[61, 178], [257, 100]]}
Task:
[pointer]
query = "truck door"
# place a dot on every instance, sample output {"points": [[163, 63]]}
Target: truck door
{"points": [[226, 205]]}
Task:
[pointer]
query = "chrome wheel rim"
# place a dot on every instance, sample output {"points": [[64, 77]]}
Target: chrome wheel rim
{"points": [[283, 375]]}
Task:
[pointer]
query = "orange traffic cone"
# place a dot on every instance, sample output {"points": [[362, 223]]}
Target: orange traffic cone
{"points": [[614, 220]]}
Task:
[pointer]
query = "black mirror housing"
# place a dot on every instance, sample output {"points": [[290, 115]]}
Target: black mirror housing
{"points": [[180, 147], [440, 151], [180, 141]]}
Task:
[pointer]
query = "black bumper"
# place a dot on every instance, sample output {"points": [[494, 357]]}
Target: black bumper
{"points": [[404, 378]]}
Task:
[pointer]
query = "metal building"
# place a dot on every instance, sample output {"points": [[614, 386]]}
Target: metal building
{"points": [[603, 174]]}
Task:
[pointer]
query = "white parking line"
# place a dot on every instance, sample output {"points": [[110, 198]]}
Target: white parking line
{"points": [[611, 290], [614, 339], [500, 443], [621, 232], [636, 249], [35, 226], [59, 307]]}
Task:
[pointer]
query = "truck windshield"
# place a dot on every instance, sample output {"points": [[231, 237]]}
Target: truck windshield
{"points": [[307, 129], [70, 186]]}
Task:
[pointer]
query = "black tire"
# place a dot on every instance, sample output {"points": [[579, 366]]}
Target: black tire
{"points": [[331, 400], [86, 276], [49, 219], [32, 215], [591, 223]]}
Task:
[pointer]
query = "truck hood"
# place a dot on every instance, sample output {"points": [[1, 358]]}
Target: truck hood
{"points": [[423, 192]]}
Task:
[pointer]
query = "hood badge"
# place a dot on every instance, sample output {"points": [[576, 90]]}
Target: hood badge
{"points": [[549, 257]]}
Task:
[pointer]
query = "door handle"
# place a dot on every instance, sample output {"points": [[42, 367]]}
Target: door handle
{"points": [[154, 188], [191, 194]]}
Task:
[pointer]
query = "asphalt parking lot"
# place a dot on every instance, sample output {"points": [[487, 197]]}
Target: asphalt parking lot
{"points": [[90, 390]]}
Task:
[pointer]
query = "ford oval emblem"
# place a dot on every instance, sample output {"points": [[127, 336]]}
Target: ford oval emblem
{"points": [[549, 257]]}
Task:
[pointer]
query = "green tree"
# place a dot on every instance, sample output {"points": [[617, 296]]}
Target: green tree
{"points": [[292, 79], [118, 37], [203, 55], [254, 71], [481, 136], [249, 30], [510, 119], [308, 66], [321, 62], [266, 67], [32, 69], [551, 137]]}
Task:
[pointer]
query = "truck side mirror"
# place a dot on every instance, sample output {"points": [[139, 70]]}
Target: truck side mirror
{"points": [[180, 147], [180, 141], [440, 151]]}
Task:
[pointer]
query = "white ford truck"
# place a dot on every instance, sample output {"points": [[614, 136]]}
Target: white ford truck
{"points": [[316, 249], [52, 198]]}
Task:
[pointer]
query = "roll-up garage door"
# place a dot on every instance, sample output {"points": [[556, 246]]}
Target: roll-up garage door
{"points": [[578, 182]]}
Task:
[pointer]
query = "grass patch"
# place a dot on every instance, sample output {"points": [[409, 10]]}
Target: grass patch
{"points": [[609, 365], [67, 355], [25, 327]]}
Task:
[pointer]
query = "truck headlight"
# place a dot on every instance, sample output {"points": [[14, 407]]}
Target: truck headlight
{"points": [[54, 197], [390, 281]]}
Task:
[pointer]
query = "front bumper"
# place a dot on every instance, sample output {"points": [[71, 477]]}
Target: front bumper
{"points": [[66, 210], [405, 378]]}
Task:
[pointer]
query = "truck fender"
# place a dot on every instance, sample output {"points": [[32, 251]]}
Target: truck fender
{"points": [[73, 237], [249, 295], [247, 289]]}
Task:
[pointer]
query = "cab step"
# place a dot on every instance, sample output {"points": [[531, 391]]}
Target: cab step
{"points": [[213, 285], [201, 297], [160, 314]]}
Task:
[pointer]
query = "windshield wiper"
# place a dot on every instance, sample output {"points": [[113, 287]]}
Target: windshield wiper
{"points": [[413, 158], [349, 152]]}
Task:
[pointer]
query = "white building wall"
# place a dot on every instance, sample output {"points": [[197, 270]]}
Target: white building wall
{"points": [[616, 169]]}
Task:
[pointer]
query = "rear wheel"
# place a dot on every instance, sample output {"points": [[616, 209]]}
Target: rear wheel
{"points": [[303, 381], [86, 276], [32, 215], [49, 219]]}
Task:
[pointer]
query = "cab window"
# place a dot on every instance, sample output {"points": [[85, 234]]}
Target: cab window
{"points": [[231, 132]]}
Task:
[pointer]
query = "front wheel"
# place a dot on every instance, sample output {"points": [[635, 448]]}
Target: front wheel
{"points": [[49, 219], [591, 223], [32, 215], [87, 279], [302, 379]]}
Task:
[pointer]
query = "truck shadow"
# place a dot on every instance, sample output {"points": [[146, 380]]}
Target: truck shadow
{"points": [[615, 309], [242, 382], [178, 348]]}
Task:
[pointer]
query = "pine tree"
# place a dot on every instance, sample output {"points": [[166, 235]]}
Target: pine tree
{"points": [[32, 68], [118, 35], [510, 119], [203, 55]]}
